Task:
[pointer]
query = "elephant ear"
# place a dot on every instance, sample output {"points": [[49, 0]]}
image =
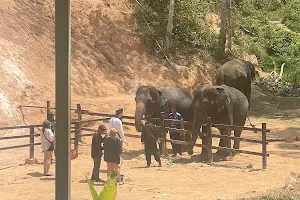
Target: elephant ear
{"points": [[162, 99], [222, 99]]}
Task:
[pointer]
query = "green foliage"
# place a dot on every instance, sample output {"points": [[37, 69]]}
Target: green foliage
{"points": [[190, 32], [271, 42], [267, 28], [109, 192], [292, 16]]}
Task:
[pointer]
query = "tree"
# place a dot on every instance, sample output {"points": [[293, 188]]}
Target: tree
{"points": [[170, 26], [225, 8]]}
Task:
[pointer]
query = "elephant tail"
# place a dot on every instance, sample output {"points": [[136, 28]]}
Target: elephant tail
{"points": [[253, 126]]}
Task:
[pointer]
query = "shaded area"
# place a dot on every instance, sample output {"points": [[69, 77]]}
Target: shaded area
{"points": [[35, 174], [263, 104], [290, 134], [131, 154]]}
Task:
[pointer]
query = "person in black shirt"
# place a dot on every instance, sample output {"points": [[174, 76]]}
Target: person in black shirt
{"points": [[149, 138], [96, 152]]}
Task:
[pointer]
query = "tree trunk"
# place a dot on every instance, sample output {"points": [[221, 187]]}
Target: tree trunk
{"points": [[224, 21], [170, 26], [229, 27]]}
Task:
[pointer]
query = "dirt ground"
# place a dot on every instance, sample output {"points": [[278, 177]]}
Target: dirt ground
{"points": [[180, 178]]}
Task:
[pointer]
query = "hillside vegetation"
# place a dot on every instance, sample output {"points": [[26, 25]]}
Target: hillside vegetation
{"points": [[269, 29], [107, 55]]}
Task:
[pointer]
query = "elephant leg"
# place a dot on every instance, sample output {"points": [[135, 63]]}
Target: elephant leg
{"points": [[224, 142], [248, 93], [236, 144], [187, 138], [204, 138], [192, 143]]}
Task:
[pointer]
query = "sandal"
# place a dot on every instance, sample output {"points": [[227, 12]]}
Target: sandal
{"points": [[48, 174], [122, 183]]}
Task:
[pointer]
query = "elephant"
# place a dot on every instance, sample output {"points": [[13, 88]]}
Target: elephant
{"points": [[152, 101], [225, 105], [238, 74]]}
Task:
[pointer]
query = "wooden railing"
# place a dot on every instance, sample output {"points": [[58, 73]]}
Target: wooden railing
{"points": [[162, 124]]}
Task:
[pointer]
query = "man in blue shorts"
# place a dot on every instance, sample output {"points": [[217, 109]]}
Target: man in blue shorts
{"points": [[173, 134]]}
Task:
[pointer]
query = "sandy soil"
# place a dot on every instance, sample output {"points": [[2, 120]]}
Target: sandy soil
{"points": [[179, 178]]}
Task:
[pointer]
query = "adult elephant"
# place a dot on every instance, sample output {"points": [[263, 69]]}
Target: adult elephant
{"points": [[238, 74], [152, 101], [225, 105]]}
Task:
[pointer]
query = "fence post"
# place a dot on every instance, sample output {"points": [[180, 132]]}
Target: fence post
{"points": [[31, 159], [264, 145], [76, 136], [163, 134], [48, 107], [209, 141], [79, 112]]}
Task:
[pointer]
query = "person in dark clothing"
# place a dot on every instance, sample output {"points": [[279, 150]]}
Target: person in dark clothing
{"points": [[112, 152], [149, 138], [173, 134], [96, 152]]}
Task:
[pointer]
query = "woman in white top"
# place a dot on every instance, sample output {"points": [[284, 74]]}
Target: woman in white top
{"points": [[115, 122], [47, 138]]}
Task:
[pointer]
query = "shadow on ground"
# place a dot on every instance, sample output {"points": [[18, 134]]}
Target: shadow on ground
{"points": [[95, 183], [47, 179], [131, 154], [264, 104], [35, 174]]}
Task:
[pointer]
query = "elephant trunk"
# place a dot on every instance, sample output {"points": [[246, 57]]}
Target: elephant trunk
{"points": [[195, 132], [139, 112]]}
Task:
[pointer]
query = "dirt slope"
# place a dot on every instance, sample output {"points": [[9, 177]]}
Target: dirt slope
{"points": [[108, 57]]}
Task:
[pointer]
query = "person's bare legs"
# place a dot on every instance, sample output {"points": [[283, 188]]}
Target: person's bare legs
{"points": [[45, 162], [109, 168], [48, 162], [118, 170]]}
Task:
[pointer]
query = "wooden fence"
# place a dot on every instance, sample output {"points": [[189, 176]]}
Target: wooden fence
{"points": [[165, 128], [162, 125]]}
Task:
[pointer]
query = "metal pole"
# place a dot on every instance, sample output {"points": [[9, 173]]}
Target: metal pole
{"points": [[62, 99]]}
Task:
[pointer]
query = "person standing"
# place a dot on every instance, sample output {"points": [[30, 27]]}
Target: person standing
{"points": [[115, 122], [174, 135], [149, 139], [112, 152], [47, 138], [96, 152], [50, 117]]}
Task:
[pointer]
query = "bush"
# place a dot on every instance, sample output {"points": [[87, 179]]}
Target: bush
{"points": [[269, 42], [292, 16]]}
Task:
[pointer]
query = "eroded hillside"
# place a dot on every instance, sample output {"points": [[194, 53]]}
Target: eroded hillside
{"points": [[108, 57]]}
